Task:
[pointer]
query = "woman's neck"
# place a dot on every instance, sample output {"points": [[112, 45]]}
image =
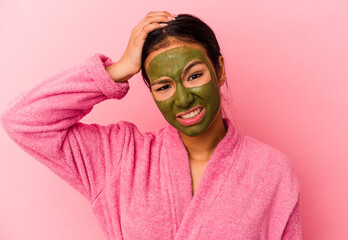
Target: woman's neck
{"points": [[201, 147]]}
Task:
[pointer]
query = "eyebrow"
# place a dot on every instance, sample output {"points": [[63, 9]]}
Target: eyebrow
{"points": [[185, 71], [191, 65], [160, 81]]}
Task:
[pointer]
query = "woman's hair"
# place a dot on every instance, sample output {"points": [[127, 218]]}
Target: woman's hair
{"points": [[185, 28]]}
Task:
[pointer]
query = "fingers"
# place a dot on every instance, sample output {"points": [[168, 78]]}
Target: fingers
{"points": [[158, 19], [131, 59], [154, 17], [154, 22], [157, 14], [150, 27]]}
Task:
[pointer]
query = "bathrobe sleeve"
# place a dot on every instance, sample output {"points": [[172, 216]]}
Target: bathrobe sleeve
{"points": [[293, 229], [44, 122]]}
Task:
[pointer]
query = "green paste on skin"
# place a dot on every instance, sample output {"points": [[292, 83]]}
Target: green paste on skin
{"points": [[170, 63]]}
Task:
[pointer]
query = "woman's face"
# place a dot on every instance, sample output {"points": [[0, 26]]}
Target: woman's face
{"points": [[184, 86]]}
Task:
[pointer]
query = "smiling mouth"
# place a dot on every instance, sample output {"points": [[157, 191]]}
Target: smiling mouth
{"points": [[193, 116], [191, 113]]}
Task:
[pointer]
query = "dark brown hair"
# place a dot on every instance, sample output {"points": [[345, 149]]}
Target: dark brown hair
{"points": [[185, 28]]}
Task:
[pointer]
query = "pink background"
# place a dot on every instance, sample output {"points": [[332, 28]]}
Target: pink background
{"points": [[287, 69]]}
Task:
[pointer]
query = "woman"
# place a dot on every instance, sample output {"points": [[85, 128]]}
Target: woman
{"points": [[198, 178]]}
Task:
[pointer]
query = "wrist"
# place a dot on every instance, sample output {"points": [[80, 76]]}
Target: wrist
{"points": [[118, 73]]}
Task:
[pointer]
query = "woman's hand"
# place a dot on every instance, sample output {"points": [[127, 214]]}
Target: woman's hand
{"points": [[130, 62]]}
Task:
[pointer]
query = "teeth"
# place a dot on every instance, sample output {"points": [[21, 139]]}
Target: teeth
{"points": [[191, 114]]}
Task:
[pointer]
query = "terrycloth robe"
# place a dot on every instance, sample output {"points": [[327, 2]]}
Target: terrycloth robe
{"points": [[139, 184]]}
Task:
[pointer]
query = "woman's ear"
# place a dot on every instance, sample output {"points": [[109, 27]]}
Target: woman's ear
{"points": [[221, 71]]}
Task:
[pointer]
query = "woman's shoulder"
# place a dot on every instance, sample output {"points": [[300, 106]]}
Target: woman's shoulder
{"points": [[259, 148], [267, 160]]}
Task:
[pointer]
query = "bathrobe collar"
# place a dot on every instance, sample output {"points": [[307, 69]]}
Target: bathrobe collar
{"points": [[185, 208]]}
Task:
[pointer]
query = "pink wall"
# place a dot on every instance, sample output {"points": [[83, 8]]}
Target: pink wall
{"points": [[287, 71]]}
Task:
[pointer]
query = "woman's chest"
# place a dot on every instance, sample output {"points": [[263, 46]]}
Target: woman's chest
{"points": [[197, 169], [151, 210]]}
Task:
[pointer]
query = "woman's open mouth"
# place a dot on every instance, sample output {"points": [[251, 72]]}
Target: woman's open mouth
{"points": [[193, 116]]}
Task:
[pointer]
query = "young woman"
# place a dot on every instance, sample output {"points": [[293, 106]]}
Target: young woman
{"points": [[198, 178]]}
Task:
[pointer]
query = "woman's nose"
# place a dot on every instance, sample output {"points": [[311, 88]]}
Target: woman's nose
{"points": [[183, 97]]}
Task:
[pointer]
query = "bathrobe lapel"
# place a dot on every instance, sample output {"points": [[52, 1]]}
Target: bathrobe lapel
{"points": [[188, 212]]}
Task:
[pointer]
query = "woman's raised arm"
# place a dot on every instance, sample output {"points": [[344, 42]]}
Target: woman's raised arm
{"points": [[44, 121], [130, 62]]}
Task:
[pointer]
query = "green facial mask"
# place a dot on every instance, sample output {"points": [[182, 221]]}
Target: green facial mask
{"points": [[170, 64]]}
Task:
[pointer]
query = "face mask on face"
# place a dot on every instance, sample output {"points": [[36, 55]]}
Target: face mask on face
{"points": [[185, 89]]}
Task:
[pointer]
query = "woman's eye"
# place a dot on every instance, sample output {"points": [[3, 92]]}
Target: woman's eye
{"points": [[162, 88], [194, 76]]}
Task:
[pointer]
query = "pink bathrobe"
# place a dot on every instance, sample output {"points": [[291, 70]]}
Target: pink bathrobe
{"points": [[139, 184]]}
